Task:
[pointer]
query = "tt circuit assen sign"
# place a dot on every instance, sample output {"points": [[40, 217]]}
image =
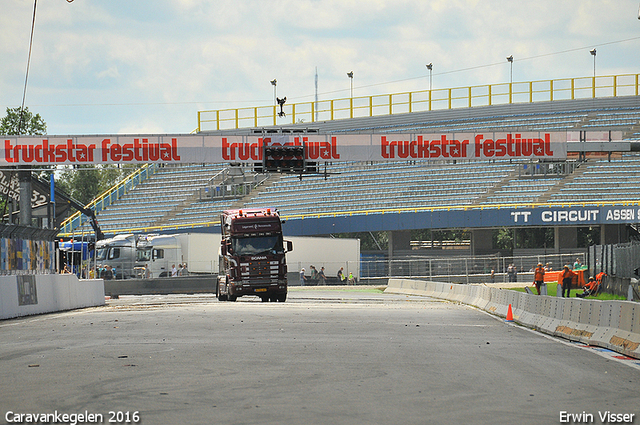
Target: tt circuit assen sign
{"points": [[74, 150]]}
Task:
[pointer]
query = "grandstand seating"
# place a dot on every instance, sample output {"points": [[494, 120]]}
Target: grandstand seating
{"points": [[168, 198]]}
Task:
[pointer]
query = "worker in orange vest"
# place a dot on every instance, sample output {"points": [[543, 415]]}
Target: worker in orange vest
{"points": [[538, 277], [567, 277]]}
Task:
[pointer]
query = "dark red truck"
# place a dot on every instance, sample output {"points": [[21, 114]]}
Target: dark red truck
{"points": [[252, 255]]}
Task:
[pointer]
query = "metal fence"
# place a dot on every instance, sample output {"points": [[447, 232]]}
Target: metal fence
{"points": [[460, 269], [619, 260]]}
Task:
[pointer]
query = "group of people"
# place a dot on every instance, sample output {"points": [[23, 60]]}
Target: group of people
{"points": [[180, 271], [318, 277], [565, 278]]}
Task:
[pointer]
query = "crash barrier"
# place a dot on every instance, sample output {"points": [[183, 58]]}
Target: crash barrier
{"points": [[614, 325], [24, 295], [162, 286]]}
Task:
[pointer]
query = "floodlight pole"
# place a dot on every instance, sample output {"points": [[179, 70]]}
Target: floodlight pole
{"points": [[274, 83], [430, 68], [510, 60]]}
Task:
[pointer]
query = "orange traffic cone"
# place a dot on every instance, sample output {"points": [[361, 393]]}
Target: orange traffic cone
{"points": [[509, 315]]}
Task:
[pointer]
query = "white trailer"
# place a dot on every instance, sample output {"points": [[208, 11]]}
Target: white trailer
{"points": [[330, 253]]}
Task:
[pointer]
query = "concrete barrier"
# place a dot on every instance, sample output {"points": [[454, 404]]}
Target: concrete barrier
{"points": [[167, 285], [609, 324], [36, 294]]}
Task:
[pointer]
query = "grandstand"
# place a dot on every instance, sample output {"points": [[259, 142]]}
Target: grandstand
{"points": [[192, 196]]}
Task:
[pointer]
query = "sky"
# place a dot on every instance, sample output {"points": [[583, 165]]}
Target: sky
{"points": [[133, 67]]}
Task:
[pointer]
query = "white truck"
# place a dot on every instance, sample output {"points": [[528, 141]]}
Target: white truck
{"points": [[199, 251]]}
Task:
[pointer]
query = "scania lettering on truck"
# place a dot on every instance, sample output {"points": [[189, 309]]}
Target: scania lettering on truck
{"points": [[252, 255]]}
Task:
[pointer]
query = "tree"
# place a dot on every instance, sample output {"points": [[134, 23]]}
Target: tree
{"points": [[21, 121]]}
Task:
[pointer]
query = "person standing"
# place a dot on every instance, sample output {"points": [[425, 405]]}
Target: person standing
{"points": [[302, 277], [174, 271], [567, 278], [511, 272], [538, 277], [340, 275]]}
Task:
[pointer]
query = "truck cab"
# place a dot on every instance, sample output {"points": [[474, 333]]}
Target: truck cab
{"points": [[252, 255]]}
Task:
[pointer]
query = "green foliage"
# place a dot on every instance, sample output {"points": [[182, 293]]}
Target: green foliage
{"points": [[503, 239], [21, 121], [86, 182]]}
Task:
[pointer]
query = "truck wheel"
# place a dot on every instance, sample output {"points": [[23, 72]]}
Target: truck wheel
{"points": [[282, 298], [232, 298], [264, 299], [219, 296]]}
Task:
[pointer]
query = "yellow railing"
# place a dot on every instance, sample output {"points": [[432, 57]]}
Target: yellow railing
{"points": [[419, 101], [152, 229], [108, 197]]}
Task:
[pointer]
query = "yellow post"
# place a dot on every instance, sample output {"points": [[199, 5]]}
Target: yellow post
{"points": [[370, 106], [489, 94], [331, 110], [429, 99], [593, 87], [313, 111], [274, 114], [572, 88], [390, 105], [293, 113], [637, 75], [237, 119], [217, 120], [449, 98], [551, 90], [615, 85], [530, 91], [469, 96], [351, 107], [510, 92], [198, 122], [410, 96], [255, 117]]}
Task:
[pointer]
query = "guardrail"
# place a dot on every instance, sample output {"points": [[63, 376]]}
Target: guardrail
{"points": [[614, 325], [420, 101]]}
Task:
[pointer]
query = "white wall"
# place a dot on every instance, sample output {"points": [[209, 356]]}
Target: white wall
{"points": [[54, 293]]}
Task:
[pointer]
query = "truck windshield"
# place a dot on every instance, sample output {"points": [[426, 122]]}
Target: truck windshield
{"points": [[101, 253], [257, 245], [143, 254]]}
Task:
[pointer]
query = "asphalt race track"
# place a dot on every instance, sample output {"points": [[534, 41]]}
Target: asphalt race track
{"points": [[326, 356]]}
